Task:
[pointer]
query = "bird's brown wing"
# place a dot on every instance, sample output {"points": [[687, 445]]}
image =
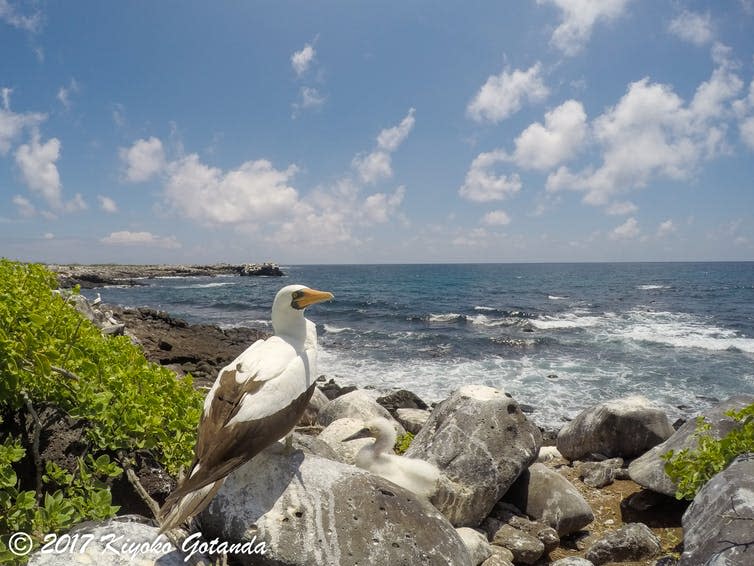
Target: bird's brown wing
{"points": [[220, 449]]}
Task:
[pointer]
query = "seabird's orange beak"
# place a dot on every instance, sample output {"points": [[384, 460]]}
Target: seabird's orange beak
{"points": [[308, 297]]}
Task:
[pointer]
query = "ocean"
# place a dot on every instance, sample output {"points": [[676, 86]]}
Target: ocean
{"points": [[558, 337]]}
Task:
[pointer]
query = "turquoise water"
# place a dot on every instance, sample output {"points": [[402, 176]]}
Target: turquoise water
{"points": [[558, 337]]}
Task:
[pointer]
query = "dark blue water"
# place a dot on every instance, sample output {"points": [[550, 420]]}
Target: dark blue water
{"points": [[558, 337]]}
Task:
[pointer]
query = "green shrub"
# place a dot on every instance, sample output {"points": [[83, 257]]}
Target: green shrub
{"points": [[691, 469], [403, 442], [50, 354]]}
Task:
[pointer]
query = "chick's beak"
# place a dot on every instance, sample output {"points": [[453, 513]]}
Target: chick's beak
{"points": [[363, 433], [310, 297]]}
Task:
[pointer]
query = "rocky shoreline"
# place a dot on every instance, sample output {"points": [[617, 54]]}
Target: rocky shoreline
{"points": [[598, 495], [93, 276]]}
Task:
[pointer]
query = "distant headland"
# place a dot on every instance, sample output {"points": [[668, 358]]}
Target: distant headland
{"points": [[100, 275]]}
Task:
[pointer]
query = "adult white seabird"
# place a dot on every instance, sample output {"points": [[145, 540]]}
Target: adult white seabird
{"points": [[256, 400], [415, 475]]}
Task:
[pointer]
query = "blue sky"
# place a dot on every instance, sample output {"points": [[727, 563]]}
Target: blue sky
{"points": [[352, 132]]}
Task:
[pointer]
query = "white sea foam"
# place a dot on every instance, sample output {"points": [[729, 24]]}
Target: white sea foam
{"points": [[567, 320], [481, 308], [484, 320], [205, 285], [652, 287], [556, 297], [446, 317], [332, 329], [579, 384], [681, 331]]}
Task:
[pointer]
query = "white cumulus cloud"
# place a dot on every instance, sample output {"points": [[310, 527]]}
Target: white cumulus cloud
{"points": [[482, 184], [626, 231], [560, 138], [504, 94], [379, 207], [652, 133], [309, 97], [302, 60], [692, 27], [13, 124], [107, 204], [665, 228], [36, 161], [254, 192], [144, 159], [377, 165], [579, 18], [496, 218], [146, 239]]}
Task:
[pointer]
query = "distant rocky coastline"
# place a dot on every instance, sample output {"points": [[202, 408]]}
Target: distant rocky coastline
{"points": [[101, 275]]}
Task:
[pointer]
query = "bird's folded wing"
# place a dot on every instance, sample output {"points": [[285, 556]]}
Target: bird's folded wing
{"points": [[221, 448]]}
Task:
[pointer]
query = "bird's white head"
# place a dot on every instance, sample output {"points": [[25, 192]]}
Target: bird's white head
{"points": [[288, 307], [380, 429]]}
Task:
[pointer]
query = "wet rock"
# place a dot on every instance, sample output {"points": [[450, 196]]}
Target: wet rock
{"points": [[105, 546], [718, 527], [401, 399], [481, 441], [309, 510], [332, 390], [548, 497], [632, 542], [624, 427], [649, 469], [476, 543]]}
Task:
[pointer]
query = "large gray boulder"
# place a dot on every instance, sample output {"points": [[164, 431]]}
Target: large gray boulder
{"points": [[357, 404], [481, 441], [718, 527], [548, 497], [122, 541], [649, 469], [309, 510], [624, 427]]}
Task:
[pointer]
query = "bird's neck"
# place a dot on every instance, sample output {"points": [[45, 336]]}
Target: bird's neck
{"points": [[385, 442], [290, 325]]}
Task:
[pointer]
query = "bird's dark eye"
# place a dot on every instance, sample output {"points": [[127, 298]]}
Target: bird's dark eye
{"points": [[295, 296]]}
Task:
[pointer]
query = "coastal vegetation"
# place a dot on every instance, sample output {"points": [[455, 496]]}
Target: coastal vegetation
{"points": [[692, 469], [52, 357]]}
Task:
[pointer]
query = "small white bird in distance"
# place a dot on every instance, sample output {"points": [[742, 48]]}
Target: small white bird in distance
{"points": [[256, 400], [417, 476]]}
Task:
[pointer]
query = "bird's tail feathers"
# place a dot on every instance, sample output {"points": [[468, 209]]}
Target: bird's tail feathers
{"points": [[179, 508]]}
